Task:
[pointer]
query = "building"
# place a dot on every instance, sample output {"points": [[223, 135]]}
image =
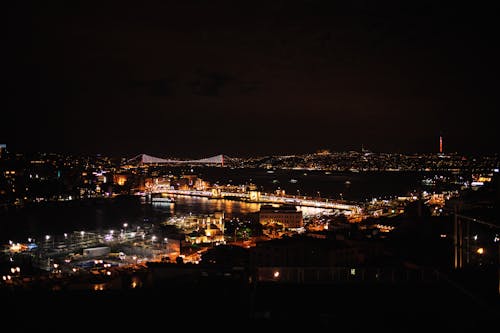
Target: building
{"points": [[301, 251], [96, 251], [285, 215], [209, 229], [201, 228], [3, 149]]}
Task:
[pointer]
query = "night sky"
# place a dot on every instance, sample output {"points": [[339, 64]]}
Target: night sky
{"points": [[200, 78]]}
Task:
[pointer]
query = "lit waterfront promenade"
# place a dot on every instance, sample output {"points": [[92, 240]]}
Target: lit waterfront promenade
{"points": [[267, 198]]}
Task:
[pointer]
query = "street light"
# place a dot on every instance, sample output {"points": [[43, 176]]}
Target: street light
{"points": [[125, 225], [153, 238]]}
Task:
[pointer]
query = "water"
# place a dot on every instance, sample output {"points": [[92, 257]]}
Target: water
{"points": [[61, 217], [335, 185]]}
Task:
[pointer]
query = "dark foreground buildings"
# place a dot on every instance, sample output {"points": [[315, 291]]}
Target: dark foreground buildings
{"points": [[287, 284], [329, 282]]}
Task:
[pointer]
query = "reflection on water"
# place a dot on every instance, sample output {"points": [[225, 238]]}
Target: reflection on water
{"points": [[113, 214], [58, 218], [198, 205], [185, 204]]}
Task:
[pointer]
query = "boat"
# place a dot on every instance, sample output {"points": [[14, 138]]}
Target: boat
{"points": [[162, 200], [428, 182]]}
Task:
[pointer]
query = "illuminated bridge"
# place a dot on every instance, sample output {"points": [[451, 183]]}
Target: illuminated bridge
{"points": [[258, 197], [144, 159]]}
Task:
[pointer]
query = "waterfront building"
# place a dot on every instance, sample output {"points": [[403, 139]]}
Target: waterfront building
{"points": [[285, 215]]}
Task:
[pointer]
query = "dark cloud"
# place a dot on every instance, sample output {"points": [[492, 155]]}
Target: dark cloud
{"points": [[121, 77], [209, 83], [161, 87]]}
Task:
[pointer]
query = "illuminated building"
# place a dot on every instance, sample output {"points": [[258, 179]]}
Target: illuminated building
{"points": [[202, 228], [288, 216], [120, 179]]}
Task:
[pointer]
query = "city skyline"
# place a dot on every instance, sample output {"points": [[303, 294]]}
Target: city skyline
{"points": [[260, 78], [199, 156]]}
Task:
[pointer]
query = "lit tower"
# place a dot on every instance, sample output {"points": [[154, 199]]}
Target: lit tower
{"points": [[440, 144]]}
